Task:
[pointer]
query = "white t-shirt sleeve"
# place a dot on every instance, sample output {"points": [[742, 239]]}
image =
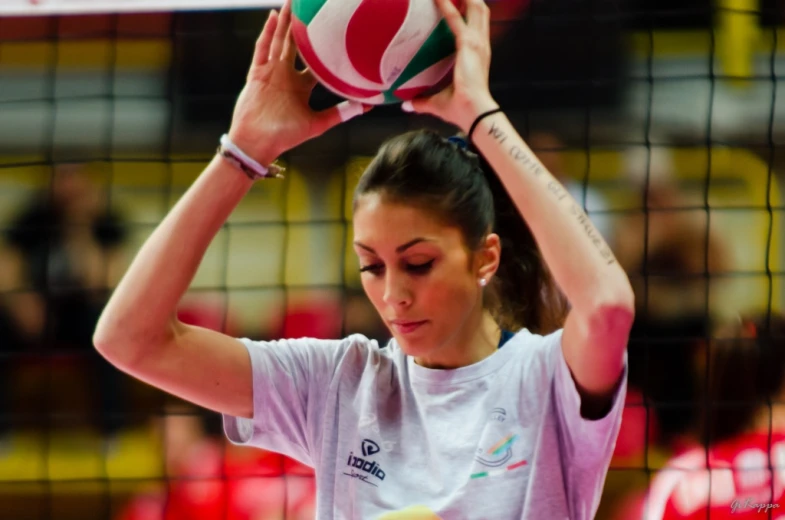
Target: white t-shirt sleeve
{"points": [[587, 438], [290, 382], [587, 445]]}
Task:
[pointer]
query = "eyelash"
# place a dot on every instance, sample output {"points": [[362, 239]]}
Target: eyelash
{"points": [[412, 268]]}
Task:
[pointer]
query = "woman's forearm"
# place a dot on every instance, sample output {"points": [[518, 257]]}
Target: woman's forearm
{"points": [[581, 262], [142, 308]]}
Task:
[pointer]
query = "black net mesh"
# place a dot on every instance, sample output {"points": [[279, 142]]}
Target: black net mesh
{"points": [[662, 118]]}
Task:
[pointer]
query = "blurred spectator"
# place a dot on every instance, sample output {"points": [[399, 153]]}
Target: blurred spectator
{"points": [[61, 255], [669, 252], [664, 251], [65, 245], [669, 256], [738, 472]]}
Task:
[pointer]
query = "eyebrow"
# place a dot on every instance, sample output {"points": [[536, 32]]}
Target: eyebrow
{"points": [[399, 249]]}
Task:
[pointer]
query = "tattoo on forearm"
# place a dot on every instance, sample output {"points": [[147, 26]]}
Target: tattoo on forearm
{"points": [[497, 134], [592, 233], [525, 158], [519, 154], [557, 189]]}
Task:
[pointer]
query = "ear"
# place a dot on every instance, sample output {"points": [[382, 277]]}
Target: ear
{"points": [[487, 257]]}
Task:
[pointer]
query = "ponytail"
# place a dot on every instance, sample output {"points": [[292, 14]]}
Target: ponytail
{"points": [[523, 293]]}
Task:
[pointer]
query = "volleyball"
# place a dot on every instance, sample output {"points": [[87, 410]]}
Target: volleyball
{"points": [[375, 51]]}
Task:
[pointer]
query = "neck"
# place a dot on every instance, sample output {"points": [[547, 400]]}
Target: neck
{"points": [[475, 341]]}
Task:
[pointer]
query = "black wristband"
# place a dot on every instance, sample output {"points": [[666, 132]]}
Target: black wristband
{"points": [[480, 118]]}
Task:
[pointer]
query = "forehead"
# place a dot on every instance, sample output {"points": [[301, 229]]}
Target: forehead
{"points": [[380, 221]]}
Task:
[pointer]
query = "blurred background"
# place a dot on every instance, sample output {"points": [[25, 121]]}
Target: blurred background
{"points": [[665, 118]]}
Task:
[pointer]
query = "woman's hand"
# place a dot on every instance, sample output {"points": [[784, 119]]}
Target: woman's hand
{"points": [[469, 95], [272, 113]]}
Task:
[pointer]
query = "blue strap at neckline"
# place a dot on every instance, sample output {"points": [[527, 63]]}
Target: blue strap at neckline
{"points": [[506, 335]]}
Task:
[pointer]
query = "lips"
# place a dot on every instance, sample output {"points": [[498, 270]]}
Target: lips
{"points": [[407, 327]]}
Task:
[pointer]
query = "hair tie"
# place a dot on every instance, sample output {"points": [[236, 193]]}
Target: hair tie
{"points": [[480, 118], [459, 141]]}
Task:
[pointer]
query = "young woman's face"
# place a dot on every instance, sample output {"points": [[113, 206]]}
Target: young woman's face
{"points": [[416, 271]]}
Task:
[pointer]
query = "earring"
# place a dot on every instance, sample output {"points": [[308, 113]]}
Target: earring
{"points": [[482, 282]]}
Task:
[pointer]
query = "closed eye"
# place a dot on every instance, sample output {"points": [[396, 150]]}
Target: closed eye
{"points": [[412, 268], [374, 268], [420, 268]]}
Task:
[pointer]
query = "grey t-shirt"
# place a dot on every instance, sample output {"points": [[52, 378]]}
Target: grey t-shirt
{"points": [[500, 439]]}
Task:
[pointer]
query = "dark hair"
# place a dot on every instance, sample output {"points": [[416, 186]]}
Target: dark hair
{"points": [[422, 168], [746, 372]]}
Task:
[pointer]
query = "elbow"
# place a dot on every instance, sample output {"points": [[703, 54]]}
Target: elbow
{"points": [[124, 343], [120, 344], [613, 315], [102, 336], [123, 353], [107, 334], [108, 344]]}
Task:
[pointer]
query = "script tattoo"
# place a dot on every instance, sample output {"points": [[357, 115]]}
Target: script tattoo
{"points": [[497, 134], [555, 188], [518, 153], [592, 233]]}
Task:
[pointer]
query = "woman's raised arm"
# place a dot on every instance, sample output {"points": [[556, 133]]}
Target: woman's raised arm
{"points": [[138, 330]]}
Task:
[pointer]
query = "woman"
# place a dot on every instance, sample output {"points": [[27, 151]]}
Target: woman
{"points": [[441, 418], [744, 432]]}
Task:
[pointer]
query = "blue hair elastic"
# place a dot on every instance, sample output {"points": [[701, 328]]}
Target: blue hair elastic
{"points": [[459, 141]]}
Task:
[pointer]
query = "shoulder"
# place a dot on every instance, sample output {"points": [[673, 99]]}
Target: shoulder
{"points": [[535, 356], [529, 345], [355, 348]]}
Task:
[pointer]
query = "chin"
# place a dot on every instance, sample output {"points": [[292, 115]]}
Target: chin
{"points": [[415, 345], [410, 348]]}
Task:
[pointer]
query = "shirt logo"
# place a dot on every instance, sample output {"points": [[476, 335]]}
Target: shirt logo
{"points": [[363, 469], [369, 448], [496, 447]]}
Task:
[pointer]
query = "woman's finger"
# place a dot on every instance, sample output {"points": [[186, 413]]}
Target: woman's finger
{"points": [[261, 53], [478, 15], [284, 21], [289, 53], [452, 16], [485, 22]]}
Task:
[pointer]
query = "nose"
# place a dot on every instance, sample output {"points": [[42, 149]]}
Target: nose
{"points": [[396, 290]]}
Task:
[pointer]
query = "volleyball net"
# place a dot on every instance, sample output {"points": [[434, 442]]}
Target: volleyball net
{"points": [[664, 119]]}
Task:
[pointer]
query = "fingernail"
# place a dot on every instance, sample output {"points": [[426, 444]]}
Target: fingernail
{"points": [[350, 109], [407, 106]]}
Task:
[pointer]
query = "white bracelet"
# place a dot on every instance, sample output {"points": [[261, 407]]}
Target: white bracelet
{"points": [[249, 166]]}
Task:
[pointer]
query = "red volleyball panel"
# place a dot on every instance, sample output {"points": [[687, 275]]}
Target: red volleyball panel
{"points": [[300, 34], [370, 32]]}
